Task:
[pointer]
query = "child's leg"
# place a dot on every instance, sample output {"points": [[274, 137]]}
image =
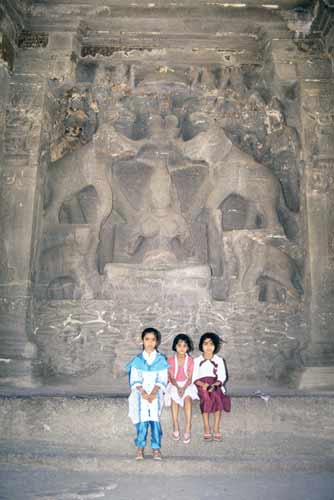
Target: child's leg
{"points": [[156, 434], [142, 429], [216, 422], [206, 423], [175, 416], [187, 413]]}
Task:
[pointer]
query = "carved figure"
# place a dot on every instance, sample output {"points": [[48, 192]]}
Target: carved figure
{"points": [[283, 145], [163, 226], [76, 124], [233, 171], [71, 260], [74, 173], [265, 272]]}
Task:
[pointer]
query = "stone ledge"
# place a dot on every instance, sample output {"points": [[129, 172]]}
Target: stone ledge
{"points": [[316, 377], [171, 465], [102, 423]]}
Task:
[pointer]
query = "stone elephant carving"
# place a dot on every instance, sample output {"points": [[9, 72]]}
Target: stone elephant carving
{"points": [[265, 272], [70, 261], [234, 172], [73, 173]]}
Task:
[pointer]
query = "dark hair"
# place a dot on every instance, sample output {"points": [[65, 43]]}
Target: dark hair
{"points": [[155, 332], [217, 341], [186, 339]]}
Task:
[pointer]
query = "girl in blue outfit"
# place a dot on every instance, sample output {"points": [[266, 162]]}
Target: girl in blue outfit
{"points": [[148, 374]]}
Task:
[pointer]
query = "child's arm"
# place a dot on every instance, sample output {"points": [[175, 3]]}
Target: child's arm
{"points": [[203, 385], [136, 378], [153, 394], [171, 375], [171, 371], [136, 382], [221, 374], [196, 376], [160, 383]]}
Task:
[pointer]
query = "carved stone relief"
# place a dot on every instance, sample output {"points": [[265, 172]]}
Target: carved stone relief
{"points": [[161, 184], [74, 113], [170, 187]]}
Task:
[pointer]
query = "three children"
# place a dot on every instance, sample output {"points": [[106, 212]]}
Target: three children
{"points": [[176, 382]]}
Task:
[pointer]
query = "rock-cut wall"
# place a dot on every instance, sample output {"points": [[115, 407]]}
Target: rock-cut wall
{"points": [[178, 178]]}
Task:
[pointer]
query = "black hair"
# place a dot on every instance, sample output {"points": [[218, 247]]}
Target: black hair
{"points": [[155, 332], [217, 341], [186, 339]]}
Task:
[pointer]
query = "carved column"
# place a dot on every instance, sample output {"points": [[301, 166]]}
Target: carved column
{"points": [[316, 105], [25, 147], [324, 23]]}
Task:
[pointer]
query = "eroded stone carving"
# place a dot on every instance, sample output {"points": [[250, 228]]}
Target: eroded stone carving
{"points": [[256, 194], [75, 120], [265, 272], [162, 225], [72, 174], [157, 150], [283, 146], [67, 269]]}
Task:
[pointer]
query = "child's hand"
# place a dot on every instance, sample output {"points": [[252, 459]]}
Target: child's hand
{"points": [[180, 391], [144, 395], [151, 397]]}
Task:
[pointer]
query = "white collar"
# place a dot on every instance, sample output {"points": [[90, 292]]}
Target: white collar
{"points": [[214, 358], [150, 357]]}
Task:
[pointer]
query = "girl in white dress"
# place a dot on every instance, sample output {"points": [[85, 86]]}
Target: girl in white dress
{"points": [[180, 390], [148, 380]]}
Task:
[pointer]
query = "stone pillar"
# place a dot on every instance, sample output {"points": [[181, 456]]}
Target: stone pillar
{"points": [[316, 108], [25, 143]]}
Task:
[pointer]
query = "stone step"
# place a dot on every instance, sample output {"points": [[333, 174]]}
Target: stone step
{"points": [[279, 433], [172, 464]]}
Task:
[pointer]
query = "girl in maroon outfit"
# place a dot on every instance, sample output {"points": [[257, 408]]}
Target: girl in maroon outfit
{"points": [[209, 376]]}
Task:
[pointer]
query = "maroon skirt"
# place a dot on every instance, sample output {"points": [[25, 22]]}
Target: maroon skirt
{"points": [[210, 402]]}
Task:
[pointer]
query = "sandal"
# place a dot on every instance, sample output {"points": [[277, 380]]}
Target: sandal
{"points": [[156, 454], [176, 435], [217, 436], [186, 437], [207, 436], [140, 454]]}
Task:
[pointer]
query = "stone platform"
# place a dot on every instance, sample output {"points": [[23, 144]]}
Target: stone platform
{"points": [[263, 433]]}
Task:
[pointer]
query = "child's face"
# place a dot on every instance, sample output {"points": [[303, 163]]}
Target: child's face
{"points": [[150, 342], [181, 347], [208, 347]]}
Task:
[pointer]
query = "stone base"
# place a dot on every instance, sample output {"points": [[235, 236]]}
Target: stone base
{"points": [[192, 282], [17, 373], [317, 377]]}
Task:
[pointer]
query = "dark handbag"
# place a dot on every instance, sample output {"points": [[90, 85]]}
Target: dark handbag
{"points": [[226, 403]]}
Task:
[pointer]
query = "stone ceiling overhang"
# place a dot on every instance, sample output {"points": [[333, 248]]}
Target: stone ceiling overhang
{"points": [[162, 16], [186, 24]]}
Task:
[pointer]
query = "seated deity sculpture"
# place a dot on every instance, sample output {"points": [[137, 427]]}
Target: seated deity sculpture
{"points": [[163, 227]]}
